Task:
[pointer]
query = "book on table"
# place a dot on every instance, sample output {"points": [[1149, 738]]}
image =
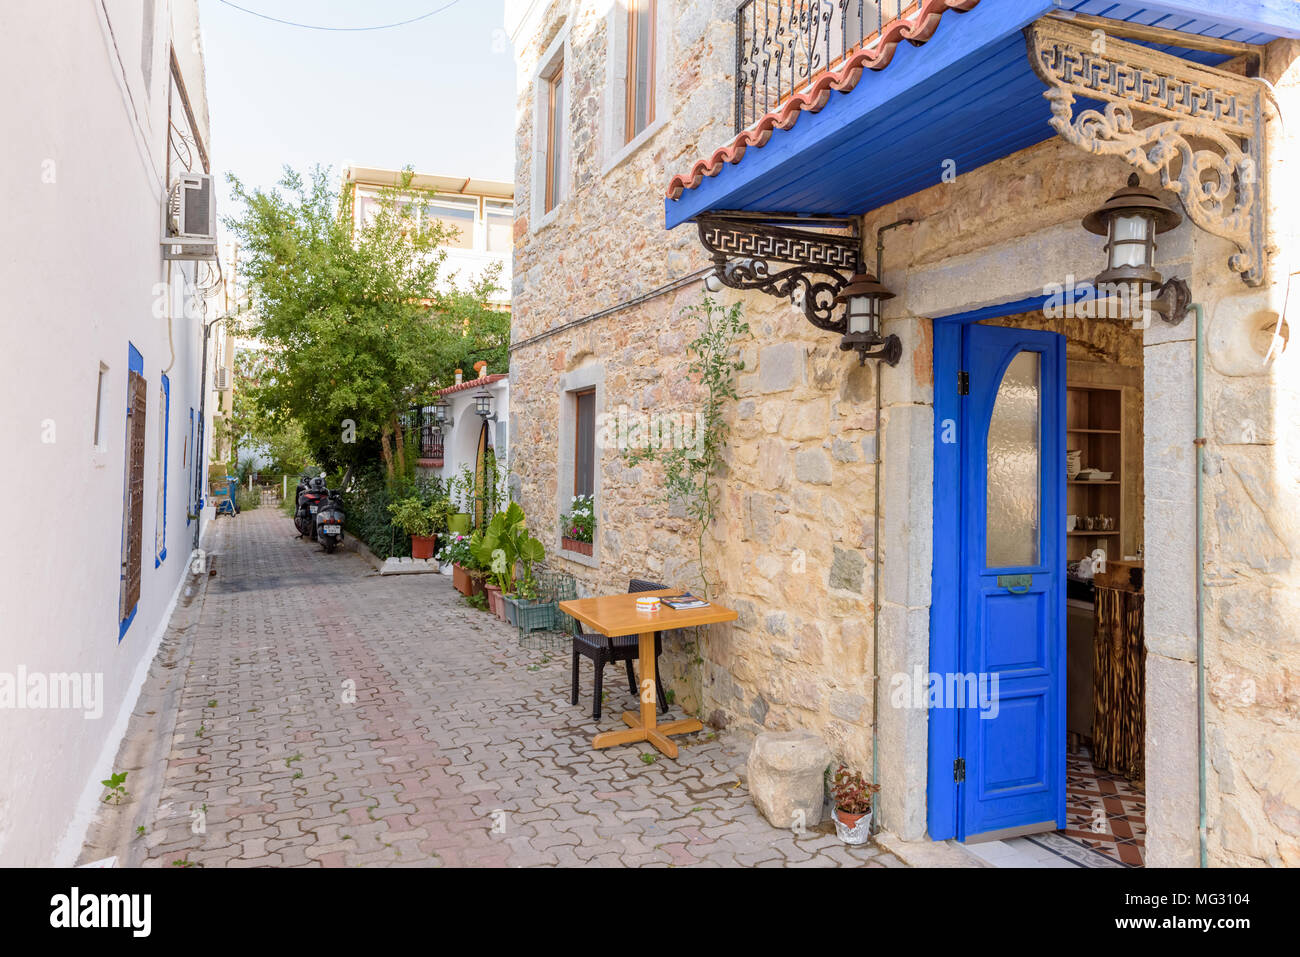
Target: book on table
{"points": [[687, 600]]}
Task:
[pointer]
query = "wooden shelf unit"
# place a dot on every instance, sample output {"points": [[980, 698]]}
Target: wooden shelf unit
{"points": [[1094, 425]]}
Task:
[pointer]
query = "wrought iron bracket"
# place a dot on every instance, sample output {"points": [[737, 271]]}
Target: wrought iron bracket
{"points": [[888, 352], [1200, 129], [767, 253]]}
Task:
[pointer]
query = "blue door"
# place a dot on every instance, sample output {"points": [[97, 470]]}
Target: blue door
{"points": [[1012, 736]]}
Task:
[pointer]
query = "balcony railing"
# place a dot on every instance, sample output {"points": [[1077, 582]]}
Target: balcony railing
{"points": [[420, 432], [782, 45]]}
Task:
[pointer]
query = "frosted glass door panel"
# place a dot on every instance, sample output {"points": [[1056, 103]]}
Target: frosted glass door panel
{"points": [[1013, 481]]}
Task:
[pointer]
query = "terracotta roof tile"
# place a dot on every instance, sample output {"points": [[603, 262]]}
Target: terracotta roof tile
{"points": [[472, 384], [916, 27]]}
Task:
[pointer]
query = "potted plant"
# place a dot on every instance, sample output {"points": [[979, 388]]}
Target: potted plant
{"points": [[852, 798], [420, 521], [578, 526], [457, 553], [460, 487], [502, 546]]}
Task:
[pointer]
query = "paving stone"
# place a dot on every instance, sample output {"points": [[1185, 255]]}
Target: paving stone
{"points": [[460, 748]]}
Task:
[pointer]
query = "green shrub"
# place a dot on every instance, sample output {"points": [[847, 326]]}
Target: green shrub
{"points": [[367, 515], [248, 498]]}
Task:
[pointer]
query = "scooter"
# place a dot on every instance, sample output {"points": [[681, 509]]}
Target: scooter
{"points": [[329, 522], [311, 496]]}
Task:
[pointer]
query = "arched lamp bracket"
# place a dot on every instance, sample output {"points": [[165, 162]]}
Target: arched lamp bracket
{"points": [[1200, 129], [807, 266]]}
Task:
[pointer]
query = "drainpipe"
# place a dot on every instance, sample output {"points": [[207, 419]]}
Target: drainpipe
{"points": [[1199, 442], [200, 459], [875, 545]]}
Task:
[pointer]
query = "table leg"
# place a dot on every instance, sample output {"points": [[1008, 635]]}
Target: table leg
{"points": [[645, 726], [646, 650]]}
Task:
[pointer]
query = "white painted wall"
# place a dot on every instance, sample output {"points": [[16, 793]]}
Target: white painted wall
{"points": [[84, 155], [461, 440]]}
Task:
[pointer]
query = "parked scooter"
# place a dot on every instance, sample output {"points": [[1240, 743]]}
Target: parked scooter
{"points": [[329, 521], [311, 496]]}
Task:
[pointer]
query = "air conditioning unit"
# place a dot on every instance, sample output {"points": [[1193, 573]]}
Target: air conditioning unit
{"points": [[191, 212], [223, 379]]}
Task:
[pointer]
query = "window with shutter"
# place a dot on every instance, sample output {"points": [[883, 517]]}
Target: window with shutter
{"points": [[584, 446], [133, 501]]}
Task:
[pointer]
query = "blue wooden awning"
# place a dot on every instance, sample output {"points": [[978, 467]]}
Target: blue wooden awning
{"points": [[966, 97]]}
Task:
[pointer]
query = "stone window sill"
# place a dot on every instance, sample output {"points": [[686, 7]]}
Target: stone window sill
{"points": [[633, 145], [591, 561]]}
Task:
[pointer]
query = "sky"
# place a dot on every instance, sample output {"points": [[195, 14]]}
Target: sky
{"points": [[437, 95]]}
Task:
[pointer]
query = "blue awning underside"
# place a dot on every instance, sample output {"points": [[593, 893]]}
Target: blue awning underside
{"points": [[968, 95]]}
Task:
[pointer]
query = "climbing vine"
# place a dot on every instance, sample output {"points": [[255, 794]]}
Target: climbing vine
{"points": [[690, 470]]}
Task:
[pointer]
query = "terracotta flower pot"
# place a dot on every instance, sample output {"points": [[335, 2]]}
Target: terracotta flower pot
{"points": [[573, 545], [423, 546], [461, 581], [494, 601]]}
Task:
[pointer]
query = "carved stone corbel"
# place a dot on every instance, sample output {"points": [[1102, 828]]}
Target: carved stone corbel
{"points": [[808, 267], [1200, 129]]}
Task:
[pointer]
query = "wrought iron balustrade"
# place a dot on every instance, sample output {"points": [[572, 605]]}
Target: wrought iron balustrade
{"points": [[782, 45]]}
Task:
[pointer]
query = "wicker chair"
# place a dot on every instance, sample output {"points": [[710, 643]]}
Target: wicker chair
{"points": [[603, 650]]}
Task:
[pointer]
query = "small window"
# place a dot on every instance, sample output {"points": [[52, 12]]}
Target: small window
{"points": [[584, 446], [99, 407], [458, 216], [164, 442], [640, 66], [554, 137], [500, 219]]}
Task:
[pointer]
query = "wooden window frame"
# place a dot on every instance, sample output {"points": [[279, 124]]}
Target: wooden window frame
{"points": [[578, 396], [630, 131], [554, 85]]}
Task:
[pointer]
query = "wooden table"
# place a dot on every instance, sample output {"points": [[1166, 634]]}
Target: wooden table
{"points": [[616, 616]]}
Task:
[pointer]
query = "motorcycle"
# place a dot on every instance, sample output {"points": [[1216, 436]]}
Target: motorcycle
{"points": [[329, 521], [311, 496]]}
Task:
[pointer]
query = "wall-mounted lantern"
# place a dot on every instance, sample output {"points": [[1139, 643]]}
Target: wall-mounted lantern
{"points": [[862, 299], [814, 261], [1130, 221], [483, 404], [442, 415]]}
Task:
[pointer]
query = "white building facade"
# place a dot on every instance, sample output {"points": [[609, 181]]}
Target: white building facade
{"points": [[102, 382]]}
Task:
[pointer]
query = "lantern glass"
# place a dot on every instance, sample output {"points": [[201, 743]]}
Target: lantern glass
{"points": [[864, 314], [1130, 239], [483, 403], [440, 412]]}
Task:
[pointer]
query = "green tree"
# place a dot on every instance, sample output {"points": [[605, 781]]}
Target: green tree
{"points": [[358, 324]]}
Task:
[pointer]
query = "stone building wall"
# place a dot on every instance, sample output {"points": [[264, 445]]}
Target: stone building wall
{"points": [[794, 545]]}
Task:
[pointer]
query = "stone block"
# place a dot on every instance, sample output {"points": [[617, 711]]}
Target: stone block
{"points": [[781, 367], [847, 568], [813, 467], [786, 777]]}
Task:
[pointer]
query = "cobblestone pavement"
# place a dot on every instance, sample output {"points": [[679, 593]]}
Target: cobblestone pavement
{"points": [[461, 747]]}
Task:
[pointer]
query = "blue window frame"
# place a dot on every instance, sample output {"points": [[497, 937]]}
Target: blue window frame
{"points": [[134, 363], [160, 550], [189, 475]]}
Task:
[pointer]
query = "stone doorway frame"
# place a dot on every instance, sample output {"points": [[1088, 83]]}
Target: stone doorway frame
{"points": [[937, 300]]}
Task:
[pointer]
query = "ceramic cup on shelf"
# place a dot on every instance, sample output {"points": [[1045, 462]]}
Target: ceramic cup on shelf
{"points": [[1071, 522], [1073, 462]]}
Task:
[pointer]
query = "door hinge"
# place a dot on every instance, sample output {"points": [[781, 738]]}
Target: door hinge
{"points": [[963, 383], [959, 769]]}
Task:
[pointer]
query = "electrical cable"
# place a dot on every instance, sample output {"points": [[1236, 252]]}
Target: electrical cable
{"points": [[313, 26]]}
